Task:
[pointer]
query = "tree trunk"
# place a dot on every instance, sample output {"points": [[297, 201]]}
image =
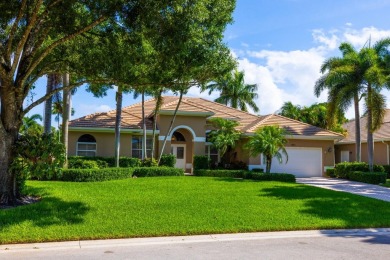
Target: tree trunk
{"points": [[65, 117], [118, 119], [48, 104], [370, 141], [170, 126], [144, 153], [156, 109], [268, 165], [358, 144]]}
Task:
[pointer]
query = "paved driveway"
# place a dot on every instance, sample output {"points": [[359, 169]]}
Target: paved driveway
{"points": [[359, 188]]}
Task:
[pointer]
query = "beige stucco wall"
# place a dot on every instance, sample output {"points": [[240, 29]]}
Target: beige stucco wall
{"points": [[197, 124], [381, 152]]}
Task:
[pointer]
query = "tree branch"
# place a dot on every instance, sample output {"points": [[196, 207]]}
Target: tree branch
{"points": [[24, 38]]}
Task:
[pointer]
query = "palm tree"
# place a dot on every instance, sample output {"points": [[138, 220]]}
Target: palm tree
{"points": [[291, 111], [225, 135], [30, 125], [235, 92], [53, 82], [356, 75], [269, 141]]}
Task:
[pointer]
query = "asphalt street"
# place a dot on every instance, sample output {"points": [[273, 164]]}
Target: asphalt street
{"points": [[326, 244]]}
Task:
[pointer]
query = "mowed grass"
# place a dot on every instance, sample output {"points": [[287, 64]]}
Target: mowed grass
{"points": [[165, 206]]}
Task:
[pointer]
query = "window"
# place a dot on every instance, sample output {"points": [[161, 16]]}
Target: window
{"points": [[86, 145], [212, 153], [136, 147], [178, 137]]}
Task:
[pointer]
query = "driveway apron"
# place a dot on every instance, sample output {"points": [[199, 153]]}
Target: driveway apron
{"points": [[359, 188]]}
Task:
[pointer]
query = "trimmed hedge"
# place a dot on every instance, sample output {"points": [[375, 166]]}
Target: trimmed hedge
{"points": [[257, 170], [105, 162], [201, 162], [330, 172], [368, 177], [157, 171], [220, 173], [387, 170], [283, 177], [168, 160], [84, 164], [92, 175], [342, 170]]}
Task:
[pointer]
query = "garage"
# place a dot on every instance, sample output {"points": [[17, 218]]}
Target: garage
{"points": [[302, 162]]}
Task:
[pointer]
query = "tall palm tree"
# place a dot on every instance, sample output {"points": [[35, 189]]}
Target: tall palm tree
{"points": [[269, 141], [356, 75], [291, 111], [53, 82], [30, 124], [235, 92]]}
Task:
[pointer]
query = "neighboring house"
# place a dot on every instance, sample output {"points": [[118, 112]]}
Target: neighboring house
{"points": [[345, 149], [310, 149]]}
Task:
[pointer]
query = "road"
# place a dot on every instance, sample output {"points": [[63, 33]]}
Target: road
{"points": [[329, 244]]}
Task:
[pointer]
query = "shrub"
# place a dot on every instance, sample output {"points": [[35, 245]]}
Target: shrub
{"points": [[168, 160], [239, 165], [157, 171], [257, 170], [129, 162], [387, 170], [220, 173], [149, 162], [368, 177], [283, 177], [342, 170], [330, 172], [104, 162], [201, 162], [91, 175], [83, 164]]}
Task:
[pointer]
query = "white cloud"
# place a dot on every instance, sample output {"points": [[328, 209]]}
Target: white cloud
{"points": [[83, 109], [291, 75]]}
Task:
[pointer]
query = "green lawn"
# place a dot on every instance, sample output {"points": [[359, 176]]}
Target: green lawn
{"points": [[164, 206]]}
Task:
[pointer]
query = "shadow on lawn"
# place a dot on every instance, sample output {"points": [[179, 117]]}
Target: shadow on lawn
{"points": [[355, 211], [49, 211]]}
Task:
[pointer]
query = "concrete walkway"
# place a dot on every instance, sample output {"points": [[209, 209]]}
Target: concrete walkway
{"points": [[359, 188]]}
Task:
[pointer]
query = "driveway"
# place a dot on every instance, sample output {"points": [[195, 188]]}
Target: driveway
{"points": [[359, 188]]}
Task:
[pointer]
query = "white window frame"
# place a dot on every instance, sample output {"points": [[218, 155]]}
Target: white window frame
{"points": [[208, 145], [140, 149], [78, 150]]}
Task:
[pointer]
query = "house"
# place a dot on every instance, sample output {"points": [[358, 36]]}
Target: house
{"points": [[310, 149], [345, 149]]}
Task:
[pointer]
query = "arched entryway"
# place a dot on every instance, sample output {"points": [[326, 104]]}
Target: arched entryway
{"points": [[182, 146]]}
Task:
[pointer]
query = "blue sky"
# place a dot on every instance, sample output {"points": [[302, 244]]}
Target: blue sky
{"points": [[280, 45]]}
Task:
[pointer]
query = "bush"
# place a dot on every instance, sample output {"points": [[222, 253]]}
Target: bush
{"points": [[330, 172], [83, 164], [201, 162], [104, 162], [283, 177], [91, 175], [239, 165], [368, 177], [257, 170], [342, 170], [168, 160], [157, 171], [387, 170], [149, 162], [220, 173]]}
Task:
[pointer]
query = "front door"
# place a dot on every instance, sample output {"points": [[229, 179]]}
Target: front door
{"points": [[179, 150]]}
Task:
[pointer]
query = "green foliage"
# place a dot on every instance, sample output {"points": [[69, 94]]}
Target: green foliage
{"points": [[30, 126], [38, 156], [387, 170], [84, 164], [92, 175], [237, 165], [220, 173], [104, 162], [225, 135], [343, 169], [257, 170], [269, 141], [149, 162], [316, 114], [201, 162], [168, 160], [330, 172], [157, 171], [283, 177], [368, 177]]}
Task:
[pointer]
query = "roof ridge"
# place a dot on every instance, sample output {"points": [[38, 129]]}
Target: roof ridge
{"points": [[261, 119], [229, 113]]}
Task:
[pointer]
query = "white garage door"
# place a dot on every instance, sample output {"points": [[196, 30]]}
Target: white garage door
{"points": [[302, 162]]}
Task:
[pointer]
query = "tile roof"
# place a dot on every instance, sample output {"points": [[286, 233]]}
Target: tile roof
{"points": [[383, 133], [132, 119]]}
